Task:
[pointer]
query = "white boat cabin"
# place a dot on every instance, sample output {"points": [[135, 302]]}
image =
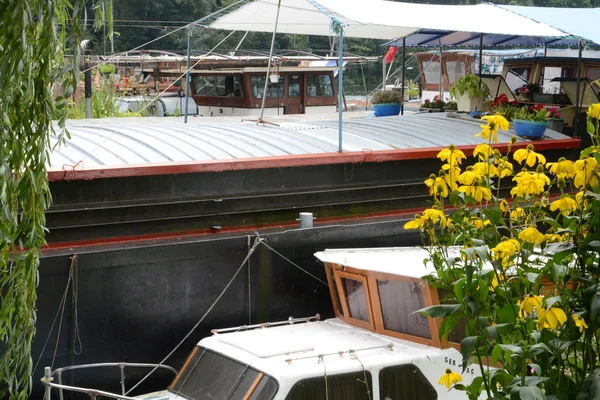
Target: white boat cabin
{"points": [[376, 349]]}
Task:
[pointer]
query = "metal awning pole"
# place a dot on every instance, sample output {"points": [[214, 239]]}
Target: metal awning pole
{"points": [[480, 57], [441, 74], [384, 73], [187, 74], [403, 73], [341, 85], [580, 45]]}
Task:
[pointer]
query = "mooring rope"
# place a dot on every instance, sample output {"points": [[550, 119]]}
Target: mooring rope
{"points": [[294, 264], [254, 246]]}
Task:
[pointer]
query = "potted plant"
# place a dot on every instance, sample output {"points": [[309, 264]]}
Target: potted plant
{"points": [[469, 92], [107, 69], [451, 106], [531, 121], [555, 122], [503, 106], [386, 103], [437, 105]]}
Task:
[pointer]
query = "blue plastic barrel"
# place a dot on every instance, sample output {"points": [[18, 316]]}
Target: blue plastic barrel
{"points": [[530, 129], [386, 109]]}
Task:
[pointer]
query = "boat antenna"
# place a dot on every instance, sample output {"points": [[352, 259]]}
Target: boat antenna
{"points": [[264, 99]]}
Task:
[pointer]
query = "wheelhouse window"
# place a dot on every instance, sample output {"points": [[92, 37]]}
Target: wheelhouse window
{"points": [[218, 85], [455, 70], [210, 375], [274, 90], [356, 297], [517, 77], [333, 289], [405, 382], [399, 300], [293, 85], [319, 85], [432, 72], [353, 386]]}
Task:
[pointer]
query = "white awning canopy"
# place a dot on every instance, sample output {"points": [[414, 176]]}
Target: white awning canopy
{"points": [[378, 19]]}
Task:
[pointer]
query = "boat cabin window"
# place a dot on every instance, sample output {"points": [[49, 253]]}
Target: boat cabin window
{"points": [[210, 375], [405, 382], [455, 70], [353, 386], [517, 77], [337, 304], [274, 90], [293, 85], [432, 72], [399, 301], [593, 77], [319, 85], [356, 298], [218, 86]]}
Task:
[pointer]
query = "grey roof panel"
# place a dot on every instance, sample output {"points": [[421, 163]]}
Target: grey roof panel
{"points": [[126, 141]]}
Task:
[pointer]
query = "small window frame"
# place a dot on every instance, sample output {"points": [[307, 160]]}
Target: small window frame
{"points": [[428, 295], [347, 316]]}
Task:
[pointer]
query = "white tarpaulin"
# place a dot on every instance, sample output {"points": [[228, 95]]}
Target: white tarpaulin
{"points": [[581, 22], [378, 19]]}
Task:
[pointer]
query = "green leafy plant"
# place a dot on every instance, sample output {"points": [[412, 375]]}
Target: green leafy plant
{"points": [[533, 113], [386, 97], [470, 85], [34, 36], [107, 69], [520, 268]]}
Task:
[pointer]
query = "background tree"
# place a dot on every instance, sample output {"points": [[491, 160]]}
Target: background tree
{"points": [[34, 36]]}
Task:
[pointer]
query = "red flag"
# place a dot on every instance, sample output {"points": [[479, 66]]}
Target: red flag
{"points": [[391, 54]]}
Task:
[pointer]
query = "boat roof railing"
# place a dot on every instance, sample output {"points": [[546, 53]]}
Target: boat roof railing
{"points": [[48, 379], [289, 321]]}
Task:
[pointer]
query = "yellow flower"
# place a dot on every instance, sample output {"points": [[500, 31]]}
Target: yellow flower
{"points": [[478, 223], [437, 186], [529, 156], [579, 322], [452, 155], [551, 319], [542, 177], [483, 151], [504, 207], [565, 204], [505, 168], [517, 213], [477, 192], [527, 184], [450, 378], [416, 223], [586, 172], [495, 282], [531, 235], [594, 111], [551, 237], [469, 176], [451, 175], [483, 168], [494, 122], [580, 199], [530, 303], [564, 168], [506, 248], [434, 215]]}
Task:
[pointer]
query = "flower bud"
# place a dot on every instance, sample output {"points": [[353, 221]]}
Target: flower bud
{"points": [[561, 182], [530, 147], [513, 140], [452, 147], [539, 169]]}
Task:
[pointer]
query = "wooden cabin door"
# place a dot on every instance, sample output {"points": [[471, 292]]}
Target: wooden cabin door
{"points": [[295, 94]]}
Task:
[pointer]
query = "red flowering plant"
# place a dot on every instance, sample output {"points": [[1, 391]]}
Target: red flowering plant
{"points": [[437, 103], [553, 113], [503, 106], [524, 92], [537, 112]]}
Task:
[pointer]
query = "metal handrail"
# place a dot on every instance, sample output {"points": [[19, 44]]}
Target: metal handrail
{"points": [[48, 379], [289, 321]]}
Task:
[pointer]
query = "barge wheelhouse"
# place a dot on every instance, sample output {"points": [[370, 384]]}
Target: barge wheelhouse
{"points": [[239, 91]]}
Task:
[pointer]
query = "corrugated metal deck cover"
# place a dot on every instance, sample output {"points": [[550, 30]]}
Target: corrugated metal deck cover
{"points": [[133, 141]]}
